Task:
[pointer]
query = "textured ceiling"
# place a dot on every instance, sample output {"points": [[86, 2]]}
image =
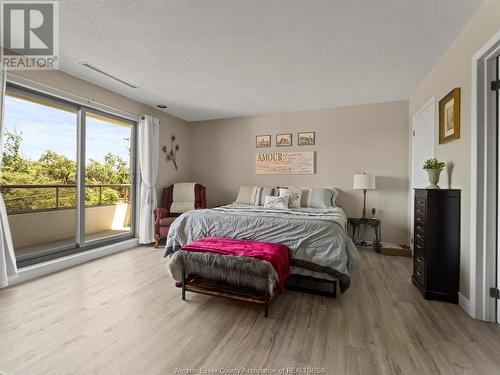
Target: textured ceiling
{"points": [[210, 59]]}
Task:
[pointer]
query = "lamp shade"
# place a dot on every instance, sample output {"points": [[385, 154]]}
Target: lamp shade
{"points": [[363, 182]]}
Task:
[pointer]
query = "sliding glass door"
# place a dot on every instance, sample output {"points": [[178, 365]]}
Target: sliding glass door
{"points": [[108, 176], [67, 176]]}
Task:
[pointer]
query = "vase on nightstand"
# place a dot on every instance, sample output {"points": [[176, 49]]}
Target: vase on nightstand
{"points": [[433, 178]]}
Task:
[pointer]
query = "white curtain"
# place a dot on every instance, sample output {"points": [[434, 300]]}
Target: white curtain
{"points": [[8, 266], [149, 156]]}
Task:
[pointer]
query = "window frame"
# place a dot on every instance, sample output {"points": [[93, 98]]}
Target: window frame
{"points": [[80, 243]]}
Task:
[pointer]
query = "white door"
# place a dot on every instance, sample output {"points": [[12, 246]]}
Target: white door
{"points": [[423, 133]]}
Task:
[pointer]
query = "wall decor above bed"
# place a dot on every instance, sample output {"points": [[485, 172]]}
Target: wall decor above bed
{"points": [[306, 139], [283, 139], [284, 162], [262, 141]]}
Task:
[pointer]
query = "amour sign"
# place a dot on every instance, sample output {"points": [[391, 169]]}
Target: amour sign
{"points": [[284, 162]]}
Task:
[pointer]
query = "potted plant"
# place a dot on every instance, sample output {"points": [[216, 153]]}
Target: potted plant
{"points": [[433, 168]]}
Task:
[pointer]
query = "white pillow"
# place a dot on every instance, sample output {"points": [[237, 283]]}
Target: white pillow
{"points": [[294, 194], [280, 203], [181, 207], [246, 195]]}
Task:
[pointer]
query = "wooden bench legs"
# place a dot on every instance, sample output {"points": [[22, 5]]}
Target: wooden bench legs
{"points": [[211, 288]]}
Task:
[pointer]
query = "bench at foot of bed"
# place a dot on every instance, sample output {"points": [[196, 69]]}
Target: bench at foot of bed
{"points": [[212, 288]]}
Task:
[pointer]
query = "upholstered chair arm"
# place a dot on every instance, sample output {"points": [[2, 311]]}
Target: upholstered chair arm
{"points": [[160, 213]]}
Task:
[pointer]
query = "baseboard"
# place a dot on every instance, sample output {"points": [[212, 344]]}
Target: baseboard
{"points": [[51, 266], [465, 304]]}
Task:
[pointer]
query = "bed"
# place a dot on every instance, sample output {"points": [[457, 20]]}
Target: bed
{"points": [[317, 239]]}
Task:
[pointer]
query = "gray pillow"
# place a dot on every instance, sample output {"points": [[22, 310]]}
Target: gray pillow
{"points": [[319, 197]]}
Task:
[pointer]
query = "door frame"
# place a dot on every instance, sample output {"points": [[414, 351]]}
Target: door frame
{"points": [[483, 188], [497, 253], [431, 101]]}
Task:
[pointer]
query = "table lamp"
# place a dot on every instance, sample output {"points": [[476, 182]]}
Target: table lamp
{"points": [[363, 182]]}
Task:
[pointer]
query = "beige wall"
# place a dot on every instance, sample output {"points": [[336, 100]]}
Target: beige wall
{"points": [[454, 69], [349, 140], [168, 124]]}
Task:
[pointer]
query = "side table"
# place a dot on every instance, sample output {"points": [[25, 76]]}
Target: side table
{"points": [[353, 225]]}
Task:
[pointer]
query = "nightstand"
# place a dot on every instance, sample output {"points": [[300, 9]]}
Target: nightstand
{"points": [[353, 225]]}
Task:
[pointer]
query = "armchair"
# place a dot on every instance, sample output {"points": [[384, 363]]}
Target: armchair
{"points": [[177, 199]]}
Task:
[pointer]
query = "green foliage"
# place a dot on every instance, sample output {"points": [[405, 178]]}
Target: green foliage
{"points": [[57, 167], [114, 170], [53, 168], [434, 164], [110, 196]]}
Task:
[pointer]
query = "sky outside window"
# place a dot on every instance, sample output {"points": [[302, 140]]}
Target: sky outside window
{"points": [[46, 128]]}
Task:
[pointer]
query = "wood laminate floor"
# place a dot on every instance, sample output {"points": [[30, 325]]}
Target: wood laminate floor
{"points": [[122, 315]]}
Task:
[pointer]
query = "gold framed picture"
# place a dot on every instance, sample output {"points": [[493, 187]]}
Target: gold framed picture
{"points": [[307, 139], [449, 116], [283, 139], [262, 141]]}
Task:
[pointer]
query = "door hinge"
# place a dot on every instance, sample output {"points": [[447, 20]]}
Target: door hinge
{"points": [[414, 133], [495, 293], [495, 85]]}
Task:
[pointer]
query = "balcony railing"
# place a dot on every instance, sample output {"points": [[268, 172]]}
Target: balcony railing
{"points": [[39, 198]]}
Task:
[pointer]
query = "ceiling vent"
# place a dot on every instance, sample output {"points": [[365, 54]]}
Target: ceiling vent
{"points": [[109, 75]]}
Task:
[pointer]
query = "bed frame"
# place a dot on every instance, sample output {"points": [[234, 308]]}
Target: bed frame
{"points": [[331, 284]]}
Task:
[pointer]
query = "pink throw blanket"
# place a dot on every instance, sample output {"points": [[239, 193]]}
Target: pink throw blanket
{"points": [[274, 253]]}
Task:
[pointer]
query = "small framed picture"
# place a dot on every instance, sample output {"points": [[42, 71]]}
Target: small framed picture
{"points": [[449, 116], [263, 141], [284, 139], [307, 139]]}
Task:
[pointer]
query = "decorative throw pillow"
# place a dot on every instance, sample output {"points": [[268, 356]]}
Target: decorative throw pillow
{"points": [[246, 195], [294, 194], [280, 203]]}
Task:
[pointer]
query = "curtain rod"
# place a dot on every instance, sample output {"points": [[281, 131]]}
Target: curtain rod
{"points": [[64, 94]]}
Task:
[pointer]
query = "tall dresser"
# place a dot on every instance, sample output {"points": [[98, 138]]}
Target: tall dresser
{"points": [[436, 257]]}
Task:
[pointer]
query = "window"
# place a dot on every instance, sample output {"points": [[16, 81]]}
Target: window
{"points": [[67, 176]]}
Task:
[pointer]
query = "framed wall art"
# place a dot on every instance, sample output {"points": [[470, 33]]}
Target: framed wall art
{"points": [[449, 117], [262, 141], [307, 139], [284, 139]]}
